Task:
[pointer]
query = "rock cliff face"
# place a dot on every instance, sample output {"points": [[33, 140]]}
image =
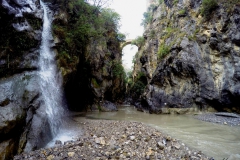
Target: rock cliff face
{"points": [[19, 98], [99, 77], [89, 78], [97, 74], [191, 59]]}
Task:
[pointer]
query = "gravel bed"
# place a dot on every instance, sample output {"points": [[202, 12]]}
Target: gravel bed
{"points": [[221, 118], [122, 140]]}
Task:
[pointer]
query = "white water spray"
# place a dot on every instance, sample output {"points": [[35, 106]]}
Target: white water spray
{"points": [[50, 79]]}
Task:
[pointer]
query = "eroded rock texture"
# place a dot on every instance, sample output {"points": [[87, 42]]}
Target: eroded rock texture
{"points": [[191, 61]]}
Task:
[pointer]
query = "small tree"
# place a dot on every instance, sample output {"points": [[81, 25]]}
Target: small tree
{"points": [[147, 18], [208, 6], [139, 41], [99, 3], [111, 19], [121, 37], [163, 51]]}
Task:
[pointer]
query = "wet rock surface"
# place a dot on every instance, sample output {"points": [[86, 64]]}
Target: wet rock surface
{"points": [[221, 118], [117, 140]]}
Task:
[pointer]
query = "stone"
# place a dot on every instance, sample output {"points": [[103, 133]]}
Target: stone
{"points": [[10, 117], [71, 154], [7, 149], [108, 106], [58, 142], [132, 138], [168, 138], [184, 43], [177, 146], [100, 140], [160, 145], [225, 114], [51, 157]]}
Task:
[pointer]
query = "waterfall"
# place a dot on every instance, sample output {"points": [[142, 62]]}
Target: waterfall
{"points": [[50, 79]]}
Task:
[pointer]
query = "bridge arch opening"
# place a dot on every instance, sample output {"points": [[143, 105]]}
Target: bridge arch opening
{"points": [[128, 53]]}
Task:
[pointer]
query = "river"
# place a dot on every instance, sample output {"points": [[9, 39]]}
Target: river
{"points": [[214, 140]]}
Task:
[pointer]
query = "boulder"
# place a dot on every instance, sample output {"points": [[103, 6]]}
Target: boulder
{"points": [[7, 149], [108, 106]]}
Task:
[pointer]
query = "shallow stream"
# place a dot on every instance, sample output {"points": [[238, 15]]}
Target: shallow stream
{"points": [[214, 140]]}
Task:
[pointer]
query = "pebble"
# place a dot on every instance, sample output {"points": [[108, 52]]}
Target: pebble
{"points": [[177, 146], [71, 154], [105, 139], [132, 138], [160, 145], [50, 157], [217, 118]]}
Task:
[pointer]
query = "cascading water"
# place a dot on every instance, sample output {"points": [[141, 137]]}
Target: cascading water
{"points": [[50, 79]]}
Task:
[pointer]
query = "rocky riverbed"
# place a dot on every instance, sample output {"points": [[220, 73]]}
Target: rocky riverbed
{"points": [[103, 139], [225, 118]]}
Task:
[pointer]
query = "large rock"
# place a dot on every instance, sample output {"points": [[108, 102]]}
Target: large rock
{"points": [[201, 69], [107, 106], [7, 149], [18, 96]]}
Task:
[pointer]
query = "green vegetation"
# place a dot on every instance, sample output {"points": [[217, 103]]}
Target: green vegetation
{"points": [[193, 37], [169, 31], [121, 37], [163, 51], [85, 23], [139, 41], [229, 5], [134, 60], [182, 12], [152, 33], [207, 7], [160, 1], [136, 87], [35, 23], [152, 8], [147, 18], [175, 2], [95, 83], [118, 70]]}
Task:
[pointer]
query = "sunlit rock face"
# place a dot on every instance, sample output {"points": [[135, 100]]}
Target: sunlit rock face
{"points": [[201, 66]]}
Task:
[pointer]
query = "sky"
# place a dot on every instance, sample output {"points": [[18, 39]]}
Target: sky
{"points": [[131, 12]]}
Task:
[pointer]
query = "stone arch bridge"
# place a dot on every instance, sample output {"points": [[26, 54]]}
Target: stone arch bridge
{"points": [[127, 42]]}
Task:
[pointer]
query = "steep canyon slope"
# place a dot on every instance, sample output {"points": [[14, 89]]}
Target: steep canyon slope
{"points": [[90, 66], [191, 56]]}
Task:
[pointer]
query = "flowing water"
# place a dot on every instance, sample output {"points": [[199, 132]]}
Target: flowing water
{"points": [[50, 79], [215, 140], [218, 141]]}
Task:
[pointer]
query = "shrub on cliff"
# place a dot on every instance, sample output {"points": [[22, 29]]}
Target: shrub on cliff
{"points": [[147, 18], [139, 41], [118, 70], [163, 51], [208, 6], [136, 87]]}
